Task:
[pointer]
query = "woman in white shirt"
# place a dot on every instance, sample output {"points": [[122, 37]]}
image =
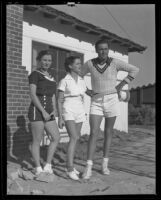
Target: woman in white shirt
{"points": [[71, 90]]}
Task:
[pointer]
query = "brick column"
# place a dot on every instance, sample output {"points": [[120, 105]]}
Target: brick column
{"points": [[18, 99]]}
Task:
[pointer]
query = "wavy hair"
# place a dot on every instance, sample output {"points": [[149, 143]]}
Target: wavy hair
{"points": [[101, 41], [44, 52], [69, 61]]}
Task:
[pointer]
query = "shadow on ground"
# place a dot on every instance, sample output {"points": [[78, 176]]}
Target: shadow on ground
{"points": [[20, 136], [130, 152]]}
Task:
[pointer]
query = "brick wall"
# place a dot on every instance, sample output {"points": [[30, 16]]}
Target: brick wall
{"points": [[18, 131]]}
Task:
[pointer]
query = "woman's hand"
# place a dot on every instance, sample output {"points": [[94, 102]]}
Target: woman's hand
{"points": [[61, 123], [46, 116], [53, 113]]}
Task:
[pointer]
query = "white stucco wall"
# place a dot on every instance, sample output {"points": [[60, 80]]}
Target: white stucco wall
{"points": [[42, 35]]}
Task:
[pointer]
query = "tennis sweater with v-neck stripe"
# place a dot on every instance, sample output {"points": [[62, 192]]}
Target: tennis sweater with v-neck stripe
{"points": [[104, 77]]}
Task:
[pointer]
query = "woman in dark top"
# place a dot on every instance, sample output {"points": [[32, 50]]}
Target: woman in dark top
{"points": [[42, 110]]}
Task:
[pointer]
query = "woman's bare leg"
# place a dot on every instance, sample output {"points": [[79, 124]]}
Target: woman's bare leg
{"points": [[37, 129], [73, 130], [52, 130]]}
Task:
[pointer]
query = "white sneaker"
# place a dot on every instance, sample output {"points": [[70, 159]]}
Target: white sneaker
{"points": [[48, 168], [76, 171], [105, 169], [73, 175], [38, 170], [88, 172]]}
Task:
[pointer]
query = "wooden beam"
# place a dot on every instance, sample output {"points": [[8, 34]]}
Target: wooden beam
{"points": [[115, 41], [66, 22], [125, 44], [131, 49], [81, 28], [50, 16], [108, 37], [92, 32], [30, 7]]}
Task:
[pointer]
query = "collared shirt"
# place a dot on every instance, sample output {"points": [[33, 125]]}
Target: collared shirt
{"points": [[44, 85], [104, 78], [72, 88]]}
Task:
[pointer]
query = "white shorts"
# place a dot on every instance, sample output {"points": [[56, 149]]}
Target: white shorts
{"points": [[74, 110], [107, 106]]}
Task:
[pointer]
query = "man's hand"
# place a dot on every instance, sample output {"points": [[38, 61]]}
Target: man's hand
{"points": [[120, 86], [124, 95], [89, 93]]}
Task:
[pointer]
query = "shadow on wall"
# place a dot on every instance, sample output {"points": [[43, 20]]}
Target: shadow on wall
{"points": [[19, 142]]}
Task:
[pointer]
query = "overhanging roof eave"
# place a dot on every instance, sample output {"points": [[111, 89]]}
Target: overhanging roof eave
{"points": [[86, 27]]}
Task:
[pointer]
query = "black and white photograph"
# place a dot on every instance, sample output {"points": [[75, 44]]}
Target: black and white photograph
{"points": [[80, 99]]}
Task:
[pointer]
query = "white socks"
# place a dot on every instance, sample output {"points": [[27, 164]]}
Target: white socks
{"points": [[106, 160], [38, 170], [88, 170], [48, 165], [90, 162], [105, 169], [48, 168]]}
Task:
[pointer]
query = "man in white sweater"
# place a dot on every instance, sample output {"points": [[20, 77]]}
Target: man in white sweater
{"points": [[105, 101]]}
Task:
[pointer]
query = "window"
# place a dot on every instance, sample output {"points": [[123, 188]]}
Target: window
{"points": [[57, 69]]}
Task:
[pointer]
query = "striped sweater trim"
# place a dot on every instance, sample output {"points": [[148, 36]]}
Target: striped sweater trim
{"points": [[101, 70], [130, 77]]}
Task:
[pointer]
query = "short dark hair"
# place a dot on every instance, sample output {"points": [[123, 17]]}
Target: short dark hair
{"points": [[101, 41], [69, 61], [44, 52]]}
